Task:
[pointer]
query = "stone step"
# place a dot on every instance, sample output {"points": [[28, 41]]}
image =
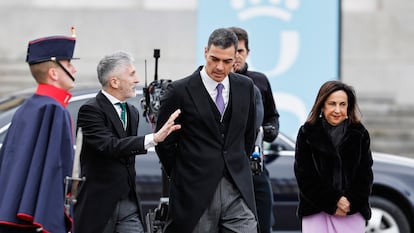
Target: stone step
{"points": [[393, 146], [391, 126], [375, 103], [389, 122]]}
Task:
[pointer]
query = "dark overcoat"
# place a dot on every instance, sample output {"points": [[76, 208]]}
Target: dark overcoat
{"points": [[196, 156], [107, 162], [35, 158], [324, 174]]}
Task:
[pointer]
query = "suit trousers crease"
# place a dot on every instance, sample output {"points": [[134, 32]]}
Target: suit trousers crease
{"points": [[227, 213], [125, 218]]}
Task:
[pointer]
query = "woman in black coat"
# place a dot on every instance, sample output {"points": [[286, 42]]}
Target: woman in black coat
{"points": [[333, 164]]}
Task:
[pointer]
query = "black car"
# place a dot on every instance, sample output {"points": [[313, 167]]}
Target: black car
{"points": [[392, 198]]}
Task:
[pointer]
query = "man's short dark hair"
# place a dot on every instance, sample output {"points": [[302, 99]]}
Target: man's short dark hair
{"points": [[241, 35], [223, 38]]}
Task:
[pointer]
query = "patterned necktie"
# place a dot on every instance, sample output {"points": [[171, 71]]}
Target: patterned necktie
{"points": [[123, 112], [219, 98]]}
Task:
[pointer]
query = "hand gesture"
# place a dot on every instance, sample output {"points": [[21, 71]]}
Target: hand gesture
{"points": [[168, 127]]}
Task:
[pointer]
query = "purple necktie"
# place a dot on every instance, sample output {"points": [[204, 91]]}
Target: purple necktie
{"points": [[219, 98]]}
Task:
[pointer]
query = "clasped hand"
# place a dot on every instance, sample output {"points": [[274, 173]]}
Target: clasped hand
{"points": [[343, 206]]}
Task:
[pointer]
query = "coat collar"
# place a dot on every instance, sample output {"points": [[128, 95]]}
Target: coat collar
{"points": [[318, 137], [201, 98], [60, 95], [108, 107]]}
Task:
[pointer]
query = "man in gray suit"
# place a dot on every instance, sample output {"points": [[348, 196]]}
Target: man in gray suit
{"points": [[207, 161]]}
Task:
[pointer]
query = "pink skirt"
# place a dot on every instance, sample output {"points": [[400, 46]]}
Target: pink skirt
{"points": [[325, 223]]}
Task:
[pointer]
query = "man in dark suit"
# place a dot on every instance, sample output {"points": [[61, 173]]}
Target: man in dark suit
{"points": [[107, 200], [207, 161]]}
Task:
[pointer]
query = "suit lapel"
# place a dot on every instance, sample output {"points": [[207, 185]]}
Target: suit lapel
{"points": [[237, 99], [200, 96], [112, 114], [133, 119]]}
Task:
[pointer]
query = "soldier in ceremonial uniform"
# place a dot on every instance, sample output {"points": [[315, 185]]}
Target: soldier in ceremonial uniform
{"points": [[37, 153]]}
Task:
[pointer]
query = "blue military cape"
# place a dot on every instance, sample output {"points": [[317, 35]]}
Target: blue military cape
{"points": [[36, 156]]}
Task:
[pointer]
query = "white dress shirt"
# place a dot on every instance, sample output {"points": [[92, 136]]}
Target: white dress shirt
{"points": [[211, 85], [149, 138]]}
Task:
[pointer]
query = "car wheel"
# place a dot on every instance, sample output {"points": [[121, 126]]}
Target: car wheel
{"points": [[386, 217]]}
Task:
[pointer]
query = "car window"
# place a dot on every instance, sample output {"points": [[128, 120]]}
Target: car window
{"points": [[281, 143], [5, 120], [8, 106], [73, 108], [13, 102], [144, 126]]}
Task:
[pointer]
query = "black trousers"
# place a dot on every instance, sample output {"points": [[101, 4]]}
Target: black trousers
{"points": [[264, 201]]}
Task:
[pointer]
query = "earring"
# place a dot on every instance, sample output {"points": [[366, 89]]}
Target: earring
{"points": [[320, 114]]}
